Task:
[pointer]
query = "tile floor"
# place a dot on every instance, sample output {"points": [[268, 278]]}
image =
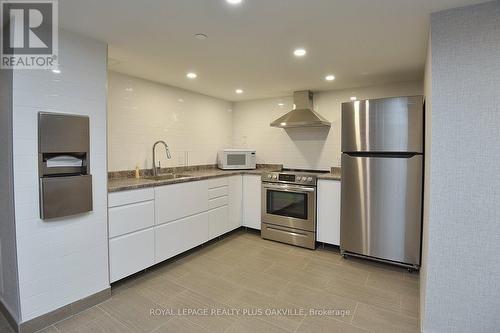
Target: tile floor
{"points": [[243, 272]]}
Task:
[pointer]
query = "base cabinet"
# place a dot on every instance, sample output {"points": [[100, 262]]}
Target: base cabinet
{"points": [[328, 229], [131, 253], [173, 202], [153, 225], [179, 236], [251, 201], [235, 202], [218, 222]]}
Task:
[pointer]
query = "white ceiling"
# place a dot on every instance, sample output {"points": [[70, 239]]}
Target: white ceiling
{"points": [[249, 46]]}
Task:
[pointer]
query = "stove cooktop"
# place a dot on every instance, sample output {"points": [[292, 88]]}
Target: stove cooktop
{"points": [[293, 176]]}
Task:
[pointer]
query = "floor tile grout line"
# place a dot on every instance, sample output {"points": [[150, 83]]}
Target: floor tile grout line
{"points": [[354, 313], [117, 319], [300, 324], [55, 327], [273, 263], [389, 311]]}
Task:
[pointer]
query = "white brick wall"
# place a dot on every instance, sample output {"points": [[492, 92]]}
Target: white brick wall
{"points": [[65, 260]]}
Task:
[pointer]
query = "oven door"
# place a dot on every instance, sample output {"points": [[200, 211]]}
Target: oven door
{"points": [[290, 206]]}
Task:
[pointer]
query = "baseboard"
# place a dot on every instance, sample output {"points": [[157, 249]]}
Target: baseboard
{"points": [[8, 315], [62, 313]]}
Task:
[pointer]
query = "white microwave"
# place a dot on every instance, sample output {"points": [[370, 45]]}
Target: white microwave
{"points": [[236, 159]]}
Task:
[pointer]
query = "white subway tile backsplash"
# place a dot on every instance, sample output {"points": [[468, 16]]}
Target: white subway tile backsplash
{"points": [[61, 260], [309, 148], [141, 112]]}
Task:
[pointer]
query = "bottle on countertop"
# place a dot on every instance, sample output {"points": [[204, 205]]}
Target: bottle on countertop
{"points": [[137, 174]]}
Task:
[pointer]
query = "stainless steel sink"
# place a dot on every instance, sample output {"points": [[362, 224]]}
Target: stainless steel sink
{"points": [[166, 176]]}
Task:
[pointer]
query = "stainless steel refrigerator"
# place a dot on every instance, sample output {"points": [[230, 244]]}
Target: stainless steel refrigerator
{"points": [[382, 179]]}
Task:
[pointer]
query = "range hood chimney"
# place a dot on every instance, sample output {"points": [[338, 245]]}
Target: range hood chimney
{"points": [[303, 115]]}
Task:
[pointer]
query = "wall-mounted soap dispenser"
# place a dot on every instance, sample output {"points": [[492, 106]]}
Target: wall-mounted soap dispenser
{"points": [[64, 165]]}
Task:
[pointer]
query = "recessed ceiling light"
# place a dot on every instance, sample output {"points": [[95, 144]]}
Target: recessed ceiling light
{"points": [[299, 52], [233, 2], [353, 98], [56, 71], [281, 104], [191, 75], [330, 77], [200, 36], [239, 91], [129, 89]]}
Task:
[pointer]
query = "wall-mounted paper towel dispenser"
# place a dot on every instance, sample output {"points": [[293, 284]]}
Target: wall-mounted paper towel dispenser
{"points": [[64, 165]]}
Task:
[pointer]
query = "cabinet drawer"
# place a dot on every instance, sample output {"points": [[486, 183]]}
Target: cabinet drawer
{"points": [[179, 236], [218, 202], [217, 182], [130, 218], [217, 192], [129, 197], [131, 253]]}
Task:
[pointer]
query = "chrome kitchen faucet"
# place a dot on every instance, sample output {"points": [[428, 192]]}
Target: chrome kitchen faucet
{"points": [[155, 170]]}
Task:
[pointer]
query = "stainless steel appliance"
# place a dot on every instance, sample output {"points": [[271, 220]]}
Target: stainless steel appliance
{"points": [[382, 174], [289, 207], [64, 165], [303, 115], [236, 159]]}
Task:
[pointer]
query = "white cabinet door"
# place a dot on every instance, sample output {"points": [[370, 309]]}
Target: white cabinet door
{"points": [[179, 236], [251, 201], [218, 222], [329, 211], [130, 218], [235, 202], [131, 253], [176, 201]]}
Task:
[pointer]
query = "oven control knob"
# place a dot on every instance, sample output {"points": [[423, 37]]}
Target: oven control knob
{"points": [[275, 177], [269, 176], [304, 179], [309, 179]]}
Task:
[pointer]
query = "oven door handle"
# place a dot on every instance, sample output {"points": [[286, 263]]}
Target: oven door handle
{"points": [[288, 232], [289, 188]]}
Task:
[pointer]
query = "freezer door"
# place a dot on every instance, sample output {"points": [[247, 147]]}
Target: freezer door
{"points": [[383, 125], [381, 213]]}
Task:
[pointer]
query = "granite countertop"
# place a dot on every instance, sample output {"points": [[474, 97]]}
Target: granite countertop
{"points": [[334, 174], [127, 183]]}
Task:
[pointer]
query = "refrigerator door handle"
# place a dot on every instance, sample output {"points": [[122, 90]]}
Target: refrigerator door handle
{"points": [[384, 155]]}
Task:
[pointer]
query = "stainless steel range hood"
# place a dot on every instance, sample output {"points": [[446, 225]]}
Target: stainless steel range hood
{"points": [[303, 115]]}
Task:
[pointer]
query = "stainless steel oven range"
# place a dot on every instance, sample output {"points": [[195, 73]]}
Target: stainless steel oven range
{"points": [[289, 207]]}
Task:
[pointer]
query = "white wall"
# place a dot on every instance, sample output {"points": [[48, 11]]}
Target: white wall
{"points": [[305, 148], [462, 281], [142, 112], [64, 260], [9, 290]]}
